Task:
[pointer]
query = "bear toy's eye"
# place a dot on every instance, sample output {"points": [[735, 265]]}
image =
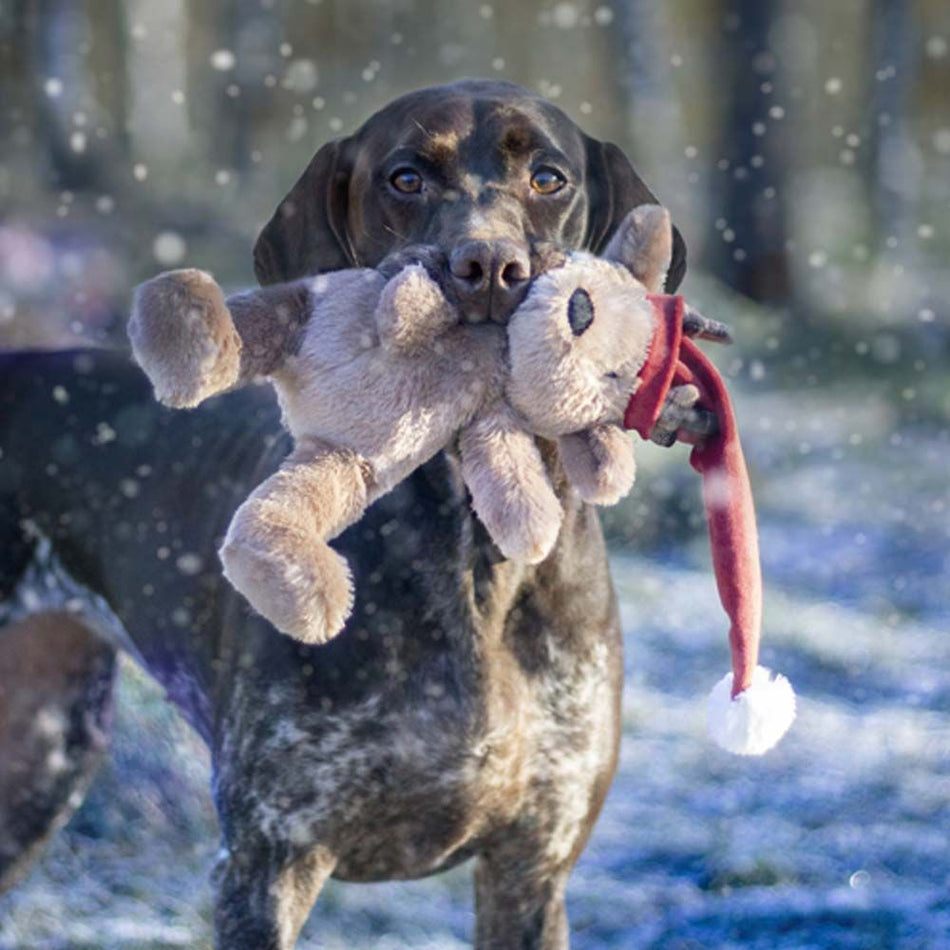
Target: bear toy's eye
{"points": [[580, 311]]}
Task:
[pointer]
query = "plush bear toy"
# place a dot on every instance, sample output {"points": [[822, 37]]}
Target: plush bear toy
{"points": [[595, 350], [374, 377]]}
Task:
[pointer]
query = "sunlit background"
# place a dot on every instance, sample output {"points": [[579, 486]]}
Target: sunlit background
{"points": [[804, 149]]}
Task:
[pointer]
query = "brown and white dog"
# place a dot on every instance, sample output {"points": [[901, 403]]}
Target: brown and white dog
{"points": [[470, 708]]}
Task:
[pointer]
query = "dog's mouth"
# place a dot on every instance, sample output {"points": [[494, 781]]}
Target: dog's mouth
{"points": [[496, 305], [488, 303], [490, 306]]}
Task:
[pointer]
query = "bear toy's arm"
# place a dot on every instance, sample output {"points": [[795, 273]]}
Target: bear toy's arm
{"points": [[276, 552], [193, 344], [412, 312], [511, 492], [599, 464]]}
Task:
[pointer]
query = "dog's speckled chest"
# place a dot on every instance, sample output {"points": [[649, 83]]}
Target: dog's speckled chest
{"points": [[457, 723]]}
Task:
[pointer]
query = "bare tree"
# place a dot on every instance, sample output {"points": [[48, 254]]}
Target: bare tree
{"points": [[753, 258]]}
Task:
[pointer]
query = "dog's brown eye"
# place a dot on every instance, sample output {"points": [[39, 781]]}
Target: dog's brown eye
{"points": [[546, 181], [407, 180]]}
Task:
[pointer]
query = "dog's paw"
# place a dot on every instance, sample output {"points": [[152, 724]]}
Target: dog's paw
{"points": [[183, 337], [307, 595]]}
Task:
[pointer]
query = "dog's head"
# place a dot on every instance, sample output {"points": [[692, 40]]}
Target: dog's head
{"points": [[496, 177]]}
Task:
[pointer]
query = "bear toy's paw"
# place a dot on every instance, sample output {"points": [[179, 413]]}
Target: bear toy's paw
{"points": [[183, 337], [525, 528], [599, 464], [297, 582], [308, 597]]}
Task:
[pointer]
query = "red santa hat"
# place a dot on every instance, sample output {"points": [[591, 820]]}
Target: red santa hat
{"points": [[749, 710]]}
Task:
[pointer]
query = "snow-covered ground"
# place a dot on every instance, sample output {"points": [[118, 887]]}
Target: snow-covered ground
{"points": [[837, 839]]}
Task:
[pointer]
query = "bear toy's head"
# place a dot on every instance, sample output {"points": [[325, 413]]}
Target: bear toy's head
{"points": [[581, 335]]}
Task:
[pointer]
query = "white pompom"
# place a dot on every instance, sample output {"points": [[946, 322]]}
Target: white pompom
{"points": [[757, 718]]}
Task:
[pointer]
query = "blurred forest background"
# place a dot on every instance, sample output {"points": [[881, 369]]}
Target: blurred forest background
{"points": [[804, 149]]}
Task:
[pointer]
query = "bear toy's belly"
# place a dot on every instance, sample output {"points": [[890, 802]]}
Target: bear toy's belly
{"points": [[394, 409]]}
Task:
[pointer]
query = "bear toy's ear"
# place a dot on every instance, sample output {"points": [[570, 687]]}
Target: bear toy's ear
{"points": [[644, 245]]}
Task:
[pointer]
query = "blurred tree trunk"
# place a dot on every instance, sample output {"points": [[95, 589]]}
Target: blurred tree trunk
{"points": [[892, 73], [83, 125], [651, 120], [17, 113], [108, 69], [754, 261], [219, 118]]}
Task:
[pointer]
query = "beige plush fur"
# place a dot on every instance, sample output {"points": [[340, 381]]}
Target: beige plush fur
{"points": [[571, 378], [511, 492], [644, 244], [374, 377], [188, 318]]}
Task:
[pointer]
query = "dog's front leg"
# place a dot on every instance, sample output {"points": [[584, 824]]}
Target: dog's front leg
{"points": [[519, 905], [263, 896]]}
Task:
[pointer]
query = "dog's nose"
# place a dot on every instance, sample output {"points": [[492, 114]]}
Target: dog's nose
{"points": [[490, 277]]}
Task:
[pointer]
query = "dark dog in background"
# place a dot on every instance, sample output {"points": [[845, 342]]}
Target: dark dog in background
{"points": [[471, 706]]}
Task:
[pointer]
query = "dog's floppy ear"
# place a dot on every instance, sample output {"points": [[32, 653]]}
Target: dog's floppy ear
{"points": [[614, 189], [307, 233]]}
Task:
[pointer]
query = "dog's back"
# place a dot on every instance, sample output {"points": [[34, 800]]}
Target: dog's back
{"points": [[121, 501]]}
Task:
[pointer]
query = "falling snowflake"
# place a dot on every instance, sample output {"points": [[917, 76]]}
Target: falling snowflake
{"points": [[936, 47], [104, 434], [301, 76], [189, 564], [169, 248], [942, 141], [222, 60], [565, 16]]}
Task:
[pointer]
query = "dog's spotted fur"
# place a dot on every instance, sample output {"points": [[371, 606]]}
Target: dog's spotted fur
{"points": [[471, 706]]}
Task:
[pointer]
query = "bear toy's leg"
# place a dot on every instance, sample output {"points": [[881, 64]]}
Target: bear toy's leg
{"points": [[276, 552], [599, 463], [511, 491]]}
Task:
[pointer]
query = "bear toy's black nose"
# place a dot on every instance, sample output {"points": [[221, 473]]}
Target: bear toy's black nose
{"points": [[580, 311]]}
